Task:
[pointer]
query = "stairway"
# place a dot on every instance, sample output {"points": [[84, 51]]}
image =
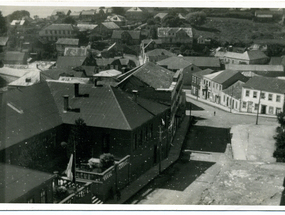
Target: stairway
{"points": [[95, 200]]}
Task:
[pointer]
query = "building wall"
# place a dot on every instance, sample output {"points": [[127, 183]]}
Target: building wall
{"points": [[229, 60], [54, 35], [37, 194], [61, 47], [230, 102], [250, 102], [187, 74]]}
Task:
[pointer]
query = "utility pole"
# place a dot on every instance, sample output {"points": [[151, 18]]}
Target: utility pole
{"points": [[159, 146], [258, 108]]}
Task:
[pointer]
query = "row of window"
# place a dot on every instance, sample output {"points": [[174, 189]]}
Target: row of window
{"points": [[270, 96], [142, 136], [55, 38], [58, 32], [270, 108], [214, 85]]}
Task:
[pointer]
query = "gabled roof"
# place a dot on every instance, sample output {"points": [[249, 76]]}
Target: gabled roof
{"points": [[15, 56], [116, 18], [104, 61], [146, 41], [117, 34], [212, 75], [17, 181], [75, 13], [157, 52], [161, 15], [29, 111], [252, 67], [67, 41], [201, 73], [54, 74], [26, 80], [110, 25], [136, 9], [88, 12], [163, 32], [247, 55], [18, 22], [275, 61], [3, 41], [224, 76], [174, 63], [273, 85], [84, 27], [69, 62], [153, 75], [59, 27], [204, 61], [108, 73], [235, 89]]}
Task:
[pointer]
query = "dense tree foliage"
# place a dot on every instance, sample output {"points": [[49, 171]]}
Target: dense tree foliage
{"points": [[172, 20], [3, 27], [118, 10], [18, 14], [196, 18], [69, 20], [106, 160], [279, 152]]}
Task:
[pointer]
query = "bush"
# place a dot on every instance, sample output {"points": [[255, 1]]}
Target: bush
{"points": [[106, 160]]}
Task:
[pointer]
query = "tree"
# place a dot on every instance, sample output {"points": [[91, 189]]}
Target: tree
{"points": [[196, 18], [19, 14], [3, 27], [79, 136], [69, 20], [172, 21], [279, 152], [106, 160], [153, 32], [118, 10]]}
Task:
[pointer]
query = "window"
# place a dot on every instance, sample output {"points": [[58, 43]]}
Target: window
{"points": [[151, 131], [243, 104], [63, 31], [55, 32], [254, 94], [224, 98], [278, 98], [220, 87], [256, 107], [135, 142], [43, 196], [247, 93], [46, 31], [278, 110], [50, 31], [270, 111], [262, 95], [269, 97], [59, 31]]}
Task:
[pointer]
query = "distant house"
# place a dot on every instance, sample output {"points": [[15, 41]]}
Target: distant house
{"points": [[157, 55], [3, 43], [86, 27], [175, 35], [262, 94], [231, 97], [248, 57], [118, 19], [88, 15], [161, 16], [73, 51], [262, 70], [61, 12], [197, 81], [263, 15], [23, 185], [213, 84], [150, 44], [55, 31], [15, 58], [64, 62], [62, 43], [105, 29], [174, 64], [75, 15], [125, 36], [136, 14], [203, 41]]}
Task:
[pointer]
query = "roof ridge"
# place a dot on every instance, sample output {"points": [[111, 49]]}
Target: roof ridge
{"points": [[129, 126]]}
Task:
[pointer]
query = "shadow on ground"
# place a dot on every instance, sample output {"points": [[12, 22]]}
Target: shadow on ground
{"points": [[193, 107], [210, 139]]}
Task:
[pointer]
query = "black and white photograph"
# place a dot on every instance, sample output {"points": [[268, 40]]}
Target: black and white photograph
{"points": [[148, 105]]}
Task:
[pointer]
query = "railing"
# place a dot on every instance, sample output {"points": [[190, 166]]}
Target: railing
{"points": [[82, 195]]}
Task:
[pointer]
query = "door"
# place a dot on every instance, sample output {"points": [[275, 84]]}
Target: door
{"points": [[249, 107], [263, 109]]}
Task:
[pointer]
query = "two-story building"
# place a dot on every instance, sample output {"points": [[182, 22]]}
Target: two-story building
{"points": [[53, 32], [161, 85], [175, 35], [197, 81], [215, 83], [262, 94], [126, 37]]}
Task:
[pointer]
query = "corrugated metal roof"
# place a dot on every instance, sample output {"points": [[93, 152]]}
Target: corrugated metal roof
{"points": [[174, 63], [110, 25], [248, 55], [27, 80], [59, 27], [224, 76], [17, 181], [273, 85]]}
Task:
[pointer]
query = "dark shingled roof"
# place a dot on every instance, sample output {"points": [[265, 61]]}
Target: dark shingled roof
{"points": [[153, 75], [17, 181], [69, 61], [106, 107], [174, 63], [235, 90], [224, 76], [201, 73], [273, 85], [29, 111], [15, 56], [157, 52], [117, 34], [60, 27]]}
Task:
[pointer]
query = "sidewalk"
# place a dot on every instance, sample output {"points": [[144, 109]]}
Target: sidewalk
{"points": [[223, 107], [148, 176]]}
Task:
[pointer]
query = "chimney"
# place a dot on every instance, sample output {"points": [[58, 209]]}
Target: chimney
{"points": [[76, 89], [95, 82], [135, 92], [65, 103]]}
